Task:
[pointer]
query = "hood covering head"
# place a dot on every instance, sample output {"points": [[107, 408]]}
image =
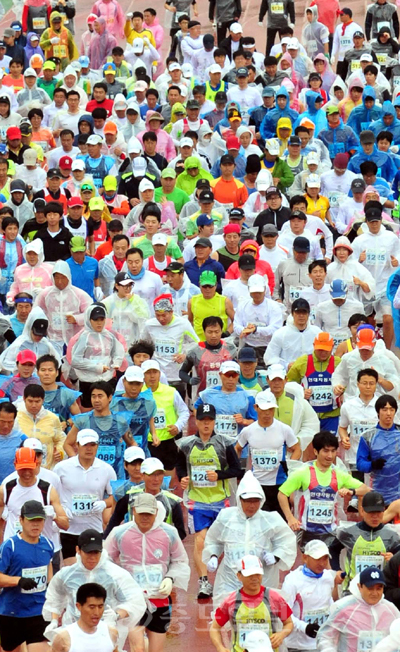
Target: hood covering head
{"points": [[103, 24], [205, 129], [88, 313], [288, 84], [69, 70], [289, 71], [356, 82], [388, 109], [191, 162], [37, 247], [314, 11], [250, 244], [369, 92], [149, 115], [367, 191], [264, 177], [119, 99], [343, 241], [30, 50], [249, 485], [283, 91], [36, 313], [177, 108], [87, 118], [338, 81], [284, 123], [56, 14], [311, 98], [62, 267]]}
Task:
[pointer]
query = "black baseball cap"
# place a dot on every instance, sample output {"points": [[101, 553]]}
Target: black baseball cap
{"points": [[39, 204], [98, 312], [373, 214], [272, 190], [294, 140], [236, 213], [40, 326], [242, 72], [2, 44], [300, 305], [247, 354], [192, 104], [227, 159], [358, 34], [175, 267], [203, 242], [193, 23], [122, 278], [221, 96], [90, 541], [205, 411], [358, 185], [301, 244], [203, 183], [246, 261], [54, 173], [206, 197], [26, 129], [299, 214], [269, 229], [33, 509], [373, 502]]}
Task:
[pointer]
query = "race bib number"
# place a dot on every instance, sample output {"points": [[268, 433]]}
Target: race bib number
{"points": [[366, 561], [233, 553], [107, 454], [359, 427], [38, 23], [312, 47], [396, 81], [277, 7], [295, 291], [199, 476], [383, 23], [82, 504], [43, 144], [265, 459], [166, 348], [376, 256], [316, 616], [160, 420], [246, 628], [212, 379], [322, 396], [56, 319], [39, 574], [226, 425], [355, 65], [345, 42], [382, 58], [335, 198], [338, 338], [367, 640], [320, 511], [149, 576]]}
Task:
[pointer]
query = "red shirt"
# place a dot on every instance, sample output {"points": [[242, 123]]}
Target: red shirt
{"points": [[279, 607], [103, 250], [106, 104]]}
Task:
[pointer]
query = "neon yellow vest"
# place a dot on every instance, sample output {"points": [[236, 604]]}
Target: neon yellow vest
{"points": [[202, 308], [166, 415], [210, 93], [246, 620], [364, 554], [164, 497], [201, 489]]}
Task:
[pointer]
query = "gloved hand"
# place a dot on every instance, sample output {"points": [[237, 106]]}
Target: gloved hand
{"points": [[51, 627], [98, 294], [99, 506], [165, 587], [129, 14], [54, 40], [212, 564], [260, 23], [146, 40], [50, 513], [27, 583], [312, 629], [291, 25], [268, 558], [10, 302], [377, 465], [195, 380]]}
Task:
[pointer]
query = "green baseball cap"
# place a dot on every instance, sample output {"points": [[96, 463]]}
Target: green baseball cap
{"points": [[168, 173], [77, 243], [208, 278], [331, 110]]}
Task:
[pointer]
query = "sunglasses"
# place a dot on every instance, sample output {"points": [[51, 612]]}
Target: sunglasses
{"points": [[231, 374]]}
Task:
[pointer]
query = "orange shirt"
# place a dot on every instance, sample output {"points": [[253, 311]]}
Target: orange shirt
{"points": [[232, 192], [44, 138], [17, 84]]}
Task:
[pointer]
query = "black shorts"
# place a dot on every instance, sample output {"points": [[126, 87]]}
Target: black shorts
{"points": [[167, 452], [15, 631], [158, 621], [68, 544]]}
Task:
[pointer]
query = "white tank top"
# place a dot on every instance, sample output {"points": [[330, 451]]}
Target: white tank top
{"points": [[18, 497], [83, 642]]}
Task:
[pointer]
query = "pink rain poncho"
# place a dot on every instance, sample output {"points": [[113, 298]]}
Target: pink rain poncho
{"points": [[32, 279], [165, 144], [328, 76], [101, 45], [113, 14]]}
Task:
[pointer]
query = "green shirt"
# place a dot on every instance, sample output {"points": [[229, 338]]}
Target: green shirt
{"points": [[298, 370], [47, 86], [284, 412], [178, 196], [300, 480], [145, 245], [191, 226]]}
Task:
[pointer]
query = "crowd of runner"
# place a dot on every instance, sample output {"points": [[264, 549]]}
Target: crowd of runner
{"points": [[200, 327]]}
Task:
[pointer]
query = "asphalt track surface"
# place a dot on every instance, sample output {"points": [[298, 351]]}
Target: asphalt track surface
{"points": [[190, 622]]}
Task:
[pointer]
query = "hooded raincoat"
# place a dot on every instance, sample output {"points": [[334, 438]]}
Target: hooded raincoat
{"points": [[236, 535], [93, 351], [315, 34], [101, 45], [338, 140], [268, 125], [386, 168], [352, 621], [150, 556], [114, 16], [30, 50], [25, 341], [32, 279], [34, 94], [379, 124], [128, 315], [317, 116], [348, 270], [165, 144], [188, 183], [70, 70], [58, 304], [361, 117], [65, 49]]}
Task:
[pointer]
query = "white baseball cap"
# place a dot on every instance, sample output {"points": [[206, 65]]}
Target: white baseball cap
{"points": [[34, 444], [139, 166], [236, 28], [138, 45], [134, 146], [215, 67], [276, 371], [313, 181], [293, 44], [159, 239], [312, 157], [174, 66], [95, 139], [30, 156], [145, 184], [187, 70], [151, 465], [134, 453], [366, 57], [316, 549], [285, 40], [251, 565], [78, 164], [134, 374], [186, 142], [150, 364], [256, 283], [87, 436], [257, 641], [272, 145], [229, 365], [140, 85], [265, 400]]}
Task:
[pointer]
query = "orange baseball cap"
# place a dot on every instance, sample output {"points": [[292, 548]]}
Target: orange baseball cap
{"points": [[25, 458], [110, 128], [366, 338], [324, 342]]}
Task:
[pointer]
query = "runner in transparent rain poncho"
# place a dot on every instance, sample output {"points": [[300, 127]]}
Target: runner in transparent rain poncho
{"points": [[359, 621], [247, 530], [32, 276]]}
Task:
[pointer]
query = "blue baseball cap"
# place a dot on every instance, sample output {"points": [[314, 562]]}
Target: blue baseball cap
{"points": [[247, 354], [371, 576], [338, 289], [3, 148], [84, 61], [204, 220], [109, 67]]}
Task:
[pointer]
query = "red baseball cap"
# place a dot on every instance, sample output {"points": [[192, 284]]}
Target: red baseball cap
{"points": [[26, 356], [75, 201], [13, 133], [232, 228], [65, 163], [232, 143]]}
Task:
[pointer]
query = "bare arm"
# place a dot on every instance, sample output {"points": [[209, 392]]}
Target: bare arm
{"points": [[295, 451], [391, 512], [216, 638], [61, 642], [74, 408], [230, 312], [344, 437], [7, 581], [61, 518], [238, 449], [293, 523], [71, 441], [190, 314]]}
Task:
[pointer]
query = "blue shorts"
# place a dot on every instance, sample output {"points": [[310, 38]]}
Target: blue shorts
{"points": [[201, 518], [331, 424]]}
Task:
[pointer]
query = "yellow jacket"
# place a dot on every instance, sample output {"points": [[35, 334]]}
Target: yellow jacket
{"points": [[131, 34], [46, 427]]}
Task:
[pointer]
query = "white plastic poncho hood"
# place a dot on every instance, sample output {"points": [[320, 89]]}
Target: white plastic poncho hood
{"points": [[235, 535], [37, 247], [348, 270]]}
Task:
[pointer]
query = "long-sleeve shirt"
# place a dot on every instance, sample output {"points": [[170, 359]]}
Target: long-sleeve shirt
{"points": [[267, 317]]}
